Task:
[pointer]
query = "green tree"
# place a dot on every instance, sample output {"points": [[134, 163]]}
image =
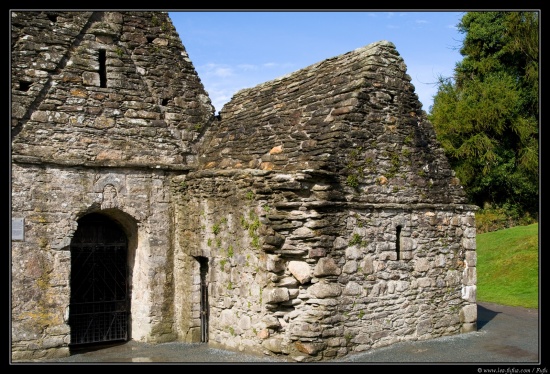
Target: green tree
{"points": [[487, 115]]}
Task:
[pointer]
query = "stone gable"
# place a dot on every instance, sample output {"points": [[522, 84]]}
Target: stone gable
{"points": [[104, 89]]}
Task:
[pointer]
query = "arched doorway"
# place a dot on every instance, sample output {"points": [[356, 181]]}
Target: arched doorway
{"points": [[99, 306]]}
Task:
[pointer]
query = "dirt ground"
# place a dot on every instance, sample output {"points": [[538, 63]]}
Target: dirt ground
{"points": [[505, 335]]}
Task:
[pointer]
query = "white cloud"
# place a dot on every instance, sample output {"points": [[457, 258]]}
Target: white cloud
{"points": [[247, 67], [278, 65], [220, 98], [223, 72], [222, 82], [217, 70]]}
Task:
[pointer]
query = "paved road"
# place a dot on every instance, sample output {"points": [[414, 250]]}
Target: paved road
{"points": [[506, 335]]}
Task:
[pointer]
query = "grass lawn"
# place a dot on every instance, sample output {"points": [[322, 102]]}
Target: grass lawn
{"points": [[508, 266]]}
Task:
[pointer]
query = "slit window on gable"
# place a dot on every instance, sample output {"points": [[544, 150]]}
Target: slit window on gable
{"points": [[102, 68], [398, 241], [24, 85]]}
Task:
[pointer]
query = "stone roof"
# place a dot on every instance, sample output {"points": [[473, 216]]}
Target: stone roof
{"points": [[355, 115], [310, 114]]}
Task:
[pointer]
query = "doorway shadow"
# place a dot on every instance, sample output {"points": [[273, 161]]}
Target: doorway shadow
{"points": [[484, 315], [92, 347]]}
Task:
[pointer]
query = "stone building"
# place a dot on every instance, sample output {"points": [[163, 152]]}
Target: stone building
{"points": [[315, 217]]}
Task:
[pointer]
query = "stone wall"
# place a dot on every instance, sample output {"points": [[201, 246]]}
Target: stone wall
{"points": [[318, 207], [50, 200], [104, 106], [316, 280]]}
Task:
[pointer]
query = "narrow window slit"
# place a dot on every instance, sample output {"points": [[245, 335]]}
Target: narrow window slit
{"points": [[102, 68], [204, 307], [24, 85], [398, 241]]}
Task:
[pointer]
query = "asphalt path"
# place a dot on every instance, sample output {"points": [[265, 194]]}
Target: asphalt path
{"points": [[507, 341]]}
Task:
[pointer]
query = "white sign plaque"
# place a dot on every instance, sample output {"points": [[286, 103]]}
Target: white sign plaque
{"points": [[18, 229]]}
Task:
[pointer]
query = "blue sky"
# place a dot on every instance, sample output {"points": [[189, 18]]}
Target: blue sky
{"points": [[232, 50]]}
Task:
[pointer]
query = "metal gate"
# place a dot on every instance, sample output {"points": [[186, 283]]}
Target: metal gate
{"points": [[99, 304]]}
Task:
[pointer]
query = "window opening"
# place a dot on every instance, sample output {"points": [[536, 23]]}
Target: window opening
{"points": [[398, 242], [164, 102], [24, 85], [204, 308], [102, 68]]}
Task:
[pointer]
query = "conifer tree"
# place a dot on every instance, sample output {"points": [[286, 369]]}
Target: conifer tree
{"points": [[487, 115]]}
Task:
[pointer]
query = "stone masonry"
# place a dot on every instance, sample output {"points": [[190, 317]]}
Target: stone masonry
{"points": [[318, 209]]}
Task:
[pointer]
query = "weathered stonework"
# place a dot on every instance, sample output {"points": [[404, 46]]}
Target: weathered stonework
{"points": [[318, 209]]}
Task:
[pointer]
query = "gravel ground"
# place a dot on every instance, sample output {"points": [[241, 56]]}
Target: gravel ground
{"points": [[506, 335]]}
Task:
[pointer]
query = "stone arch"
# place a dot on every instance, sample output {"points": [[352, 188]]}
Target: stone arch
{"points": [[137, 243], [99, 308]]}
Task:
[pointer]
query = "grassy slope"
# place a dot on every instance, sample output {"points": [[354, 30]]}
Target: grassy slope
{"points": [[508, 266]]}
